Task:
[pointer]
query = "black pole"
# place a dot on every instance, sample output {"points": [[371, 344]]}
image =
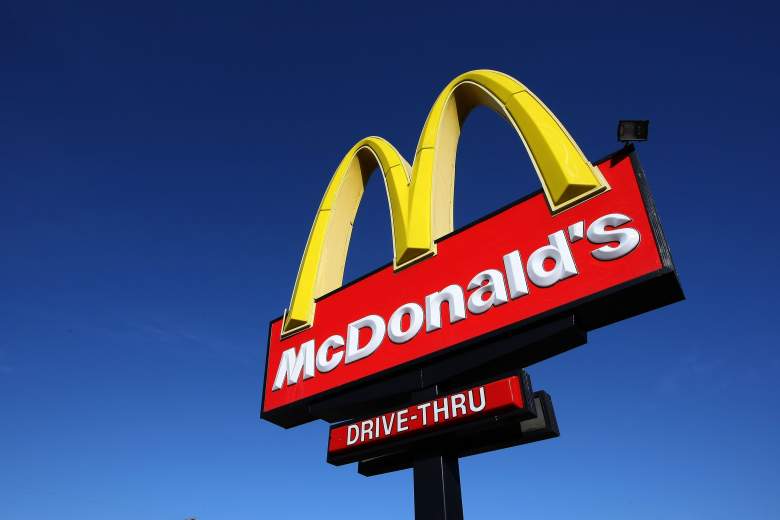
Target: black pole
{"points": [[436, 479], [437, 488]]}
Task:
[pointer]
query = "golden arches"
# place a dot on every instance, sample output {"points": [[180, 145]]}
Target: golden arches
{"points": [[420, 197]]}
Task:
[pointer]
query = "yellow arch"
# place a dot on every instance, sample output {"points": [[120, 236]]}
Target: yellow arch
{"points": [[421, 197]]}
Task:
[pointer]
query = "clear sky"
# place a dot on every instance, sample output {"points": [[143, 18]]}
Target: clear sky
{"points": [[160, 166]]}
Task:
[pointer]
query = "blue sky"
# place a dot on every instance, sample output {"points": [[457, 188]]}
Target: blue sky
{"points": [[160, 165]]}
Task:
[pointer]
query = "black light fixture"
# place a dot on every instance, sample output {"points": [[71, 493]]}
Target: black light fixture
{"points": [[632, 130]]}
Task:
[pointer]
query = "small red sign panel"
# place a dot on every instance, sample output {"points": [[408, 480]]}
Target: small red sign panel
{"points": [[511, 267], [496, 398]]}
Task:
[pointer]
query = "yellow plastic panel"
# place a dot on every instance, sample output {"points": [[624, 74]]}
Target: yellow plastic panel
{"points": [[421, 197]]}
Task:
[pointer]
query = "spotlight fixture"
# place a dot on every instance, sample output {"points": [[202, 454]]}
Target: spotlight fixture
{"points": [[632, 130]]}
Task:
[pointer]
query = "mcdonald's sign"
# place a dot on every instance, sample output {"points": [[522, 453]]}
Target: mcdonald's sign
{"points": [[586, 250]]}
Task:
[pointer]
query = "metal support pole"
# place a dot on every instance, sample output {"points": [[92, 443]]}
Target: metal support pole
{"points": [[437, 488], [436, 479]]}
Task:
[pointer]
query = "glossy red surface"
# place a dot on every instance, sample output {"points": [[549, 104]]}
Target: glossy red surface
{"points": [[525, 227]]}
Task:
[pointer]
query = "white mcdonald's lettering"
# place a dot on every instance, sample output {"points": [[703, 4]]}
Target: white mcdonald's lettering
{"points": [[545, 267]]}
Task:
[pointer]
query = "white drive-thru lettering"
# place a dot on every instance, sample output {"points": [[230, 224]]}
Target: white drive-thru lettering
{"points": [[430, 413]]}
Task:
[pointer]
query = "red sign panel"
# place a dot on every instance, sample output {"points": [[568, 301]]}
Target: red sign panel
{"points": [[509, 268], [496, 398]]}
